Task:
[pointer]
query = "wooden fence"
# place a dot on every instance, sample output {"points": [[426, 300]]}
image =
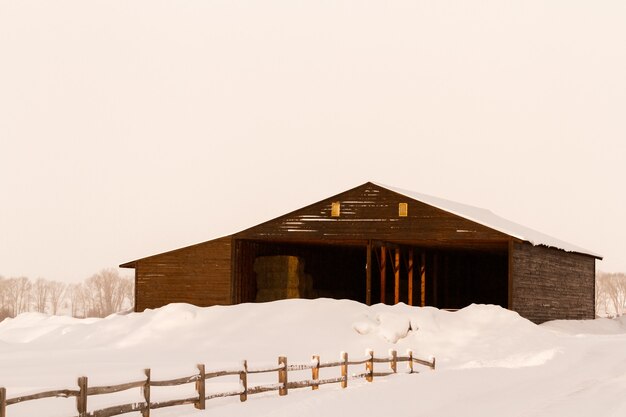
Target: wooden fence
{"points": [[199, 401]]}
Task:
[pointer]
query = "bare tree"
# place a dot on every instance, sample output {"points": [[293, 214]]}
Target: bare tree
{"points": [[78, 299], [5, 309], [56, 291], [107, 292], [617, 292], [17, 295], [602, 299], [40, 295], [102, 294], [610, 294]]}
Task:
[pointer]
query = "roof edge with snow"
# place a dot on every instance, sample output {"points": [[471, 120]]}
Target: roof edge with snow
{"points": [[489, 219]]}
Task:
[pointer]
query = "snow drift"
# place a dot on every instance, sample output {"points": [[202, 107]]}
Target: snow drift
{"points": [[480, 349]]}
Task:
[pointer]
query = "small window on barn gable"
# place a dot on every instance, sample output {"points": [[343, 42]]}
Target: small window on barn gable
{"points": [[335, 210], [403, 209]]}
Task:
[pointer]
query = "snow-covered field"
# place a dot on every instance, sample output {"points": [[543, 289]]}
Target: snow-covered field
{"points": [[490, 361]]}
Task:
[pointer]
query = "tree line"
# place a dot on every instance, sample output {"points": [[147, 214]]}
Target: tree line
{"points": [[610, 294], [103, 293], [107, 292]]}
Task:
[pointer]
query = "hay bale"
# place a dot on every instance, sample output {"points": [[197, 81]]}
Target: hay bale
{"points": [[281, 277]]}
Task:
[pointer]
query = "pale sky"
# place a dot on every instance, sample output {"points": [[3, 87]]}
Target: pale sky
{"points": [[128, 128]]}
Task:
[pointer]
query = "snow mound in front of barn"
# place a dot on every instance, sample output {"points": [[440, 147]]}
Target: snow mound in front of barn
{"points": [[181, 335], [480, 343]]}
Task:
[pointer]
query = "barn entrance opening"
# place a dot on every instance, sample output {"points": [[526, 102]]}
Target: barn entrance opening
{"points": [[462, 277], [442, 277], [449, 278], [276, 271]]}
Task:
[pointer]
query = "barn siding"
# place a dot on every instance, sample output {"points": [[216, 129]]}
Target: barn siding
{"points": [[199, 274], [551, 284], [371, 212]]}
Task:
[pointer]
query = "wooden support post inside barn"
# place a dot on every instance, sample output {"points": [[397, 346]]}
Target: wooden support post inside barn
{"points": [[445, 270], [368, 274], [396, 273], [410, 276], [435, 280], [383, 273], [423, 280]]}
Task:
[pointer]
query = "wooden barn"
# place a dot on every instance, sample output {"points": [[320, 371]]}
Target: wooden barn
{"points": [[374, 244]]}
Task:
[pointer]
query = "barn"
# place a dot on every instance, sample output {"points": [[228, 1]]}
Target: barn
{"points": [[379, 244]]}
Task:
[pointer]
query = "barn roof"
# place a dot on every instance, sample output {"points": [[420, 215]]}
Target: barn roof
{"points": [[493, 221], [475, 214]]}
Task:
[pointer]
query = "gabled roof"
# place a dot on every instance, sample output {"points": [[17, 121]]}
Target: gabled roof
{"points": [[475, 214], [493, 221]]}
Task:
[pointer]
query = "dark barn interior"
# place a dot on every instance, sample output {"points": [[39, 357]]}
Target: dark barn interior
{"points": [[452, 278], [336, 271]]}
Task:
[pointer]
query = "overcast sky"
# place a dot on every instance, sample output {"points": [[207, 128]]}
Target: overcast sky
{"points": [[129, 128]]}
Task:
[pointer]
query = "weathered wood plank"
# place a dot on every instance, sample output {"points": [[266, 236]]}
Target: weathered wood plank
{"points": [[369, 366], [282, 375], [81, 399], [315, 371], [204, 268], [370, 212], [180, 381], [145, 389], [110, 389], [117, 410], [3, 402], [243, 381], [172, 403], [344, 369], [549, 284], [64, 393]]}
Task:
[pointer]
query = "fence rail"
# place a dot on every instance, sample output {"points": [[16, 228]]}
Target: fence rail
{"points": [[199, 401]]}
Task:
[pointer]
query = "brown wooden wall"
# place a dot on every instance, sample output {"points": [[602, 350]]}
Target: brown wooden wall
{"points": [[371, 212], [551, 284], [199, 274]]}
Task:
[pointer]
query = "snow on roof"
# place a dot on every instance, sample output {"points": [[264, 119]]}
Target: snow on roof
{"points": [[493, 221]]}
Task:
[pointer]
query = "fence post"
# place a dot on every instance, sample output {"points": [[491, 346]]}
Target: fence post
{"points": [[433, 365], [282, 375], [201, 388], [410, 353], [81, 400], [369, 366], [243, 379], [394, 361], [146, 393], [3, 402], [315, 371], [344, 369]]}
